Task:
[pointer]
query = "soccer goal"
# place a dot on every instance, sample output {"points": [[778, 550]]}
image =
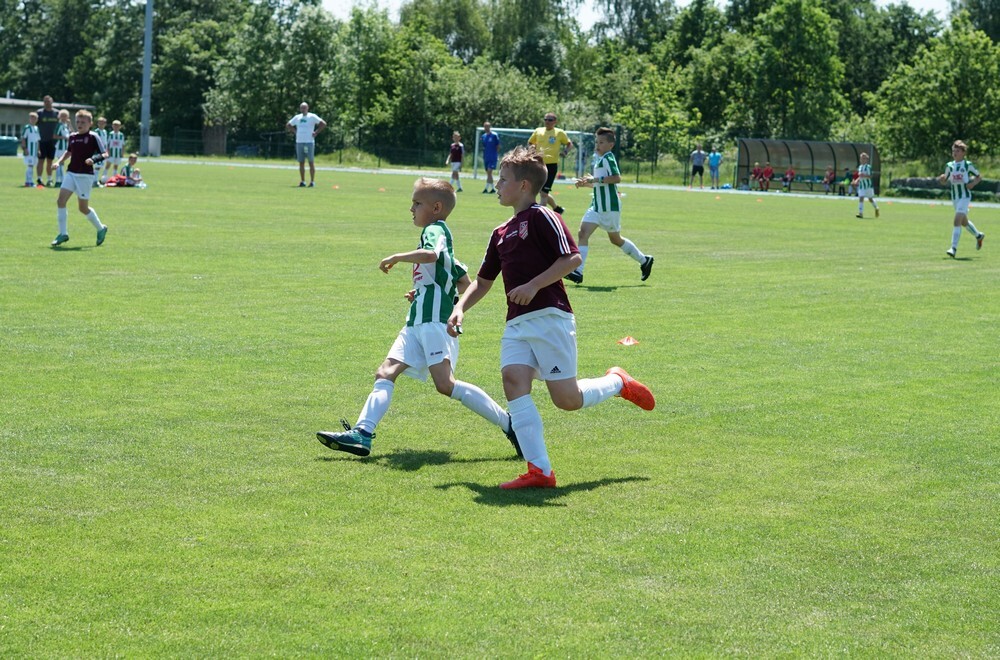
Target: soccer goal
{"points": [[573, 165]]}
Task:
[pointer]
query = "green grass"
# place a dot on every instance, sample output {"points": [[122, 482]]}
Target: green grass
{"points": [[819, 476]]}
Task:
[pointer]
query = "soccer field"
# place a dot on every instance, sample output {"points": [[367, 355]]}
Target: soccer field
{"points": [[819, 477]]}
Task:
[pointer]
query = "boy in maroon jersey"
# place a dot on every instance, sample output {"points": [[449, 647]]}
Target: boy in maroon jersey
{"points": [[84, 150], [533, 251], [455, 154]]}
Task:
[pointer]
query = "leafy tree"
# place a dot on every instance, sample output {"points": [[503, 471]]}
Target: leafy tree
{"points": [[699, 25], [741, 14], [950, 91], [983, 14], [721, 87], [656, 119], [638, 24], [799, 78], [460, 24]]}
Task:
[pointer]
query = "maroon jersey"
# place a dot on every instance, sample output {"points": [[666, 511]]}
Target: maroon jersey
{"points": [[81, 147], [457, 150], [523, 248]]}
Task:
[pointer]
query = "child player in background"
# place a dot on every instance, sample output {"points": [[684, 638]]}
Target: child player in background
{"points": [[62, 142], [605, 207], [455, 154], [962, 176], [116, 148], [30, 138], [424, 345]]}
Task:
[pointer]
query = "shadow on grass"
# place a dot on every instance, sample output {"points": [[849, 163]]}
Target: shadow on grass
{"points": [[75, 248], [957, 259], [606, 289], [495, 496], [410, 460]]}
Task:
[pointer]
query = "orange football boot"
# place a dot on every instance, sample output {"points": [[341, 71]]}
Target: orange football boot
{"points": [[633, 390], [533, 478]]}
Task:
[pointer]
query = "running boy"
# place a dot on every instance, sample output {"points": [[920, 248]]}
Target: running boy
{"points": [[30, 137], [85, 150], [605, 208], [533, 251], [963, 177], [455, 154], [116, 147], [424, 345], [62, 142]]}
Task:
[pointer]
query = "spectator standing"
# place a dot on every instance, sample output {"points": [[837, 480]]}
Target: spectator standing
{"points": [[306, 127]]}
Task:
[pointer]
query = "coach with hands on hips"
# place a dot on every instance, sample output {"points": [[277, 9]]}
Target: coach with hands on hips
{"points": [[306, 127]]}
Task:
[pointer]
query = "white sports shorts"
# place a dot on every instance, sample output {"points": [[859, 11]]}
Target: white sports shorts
{"points": [[422, 346], [546, 342], [31, 160], [869, 193], [609, 221], [961, 205], [456, 167], [81, 184]]}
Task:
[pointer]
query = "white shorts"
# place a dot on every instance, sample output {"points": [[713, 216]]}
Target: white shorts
{"points": [[81, 184], [31, 161], [422, 346], [546, 342], [609, 221], [961, 205], [870, 193], [456, 167], [59, 154], [115, 163]]}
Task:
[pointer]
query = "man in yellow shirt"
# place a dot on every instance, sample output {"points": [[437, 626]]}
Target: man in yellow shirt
{"points": [[552, 142]]}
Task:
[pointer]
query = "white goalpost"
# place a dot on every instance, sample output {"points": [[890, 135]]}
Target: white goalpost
{"points": [[573, 165]]}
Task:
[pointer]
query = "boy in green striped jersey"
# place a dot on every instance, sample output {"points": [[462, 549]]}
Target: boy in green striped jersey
{"points": [[425, 344], [605, 207], [962, 176], [30, 138], [62, 142], [864, 185]]}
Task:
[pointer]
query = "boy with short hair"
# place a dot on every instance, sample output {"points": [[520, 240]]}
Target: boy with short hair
{"points": [[962, 176], [116, 147], [102, 133], [533, 250], [425, 344], [864, 185], [491, 155], [85, 150], [455, 154], [62, 142], [30, 138], [605, 207]]}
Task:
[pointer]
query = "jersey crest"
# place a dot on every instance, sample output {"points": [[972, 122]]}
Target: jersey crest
{"points": [[522, 230]]}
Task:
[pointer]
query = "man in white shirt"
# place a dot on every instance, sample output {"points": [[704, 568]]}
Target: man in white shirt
{"points": [[306, 127]]}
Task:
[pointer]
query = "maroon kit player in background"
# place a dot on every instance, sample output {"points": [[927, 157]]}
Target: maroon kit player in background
{"points": [[533, 251], [85, 149]]}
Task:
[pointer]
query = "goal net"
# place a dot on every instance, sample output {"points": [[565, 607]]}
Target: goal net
{"points": [[572, 165]]}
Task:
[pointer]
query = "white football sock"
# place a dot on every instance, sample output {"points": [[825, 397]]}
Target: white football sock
{"points": [[972, 228], [27, 175], [861, 206], [629, 248], [94, 220], [62, 215], [528, 426], [480, 403], [595, 390], [955, 235], [584, 249], [376, 406]]}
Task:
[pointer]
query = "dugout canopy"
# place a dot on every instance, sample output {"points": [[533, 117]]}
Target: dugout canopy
{"points": [[809, 159]]}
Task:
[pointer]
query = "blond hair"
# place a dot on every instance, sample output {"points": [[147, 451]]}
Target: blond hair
{"points": [[526, 164], [63, 113], [960, 145], [85, 113], [436, 190]]}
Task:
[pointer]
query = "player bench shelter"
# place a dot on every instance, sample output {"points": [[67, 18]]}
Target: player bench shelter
{"points": [[808, 158]]}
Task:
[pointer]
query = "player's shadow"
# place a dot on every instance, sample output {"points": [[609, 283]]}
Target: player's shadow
{"points": [[958, 259], [494, 496], [412, 460], [76, 248], [606, 289]]}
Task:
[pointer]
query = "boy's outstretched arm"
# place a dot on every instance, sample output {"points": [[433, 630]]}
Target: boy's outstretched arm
{"points": [[412, 257], [522, 295], [473, 294]]}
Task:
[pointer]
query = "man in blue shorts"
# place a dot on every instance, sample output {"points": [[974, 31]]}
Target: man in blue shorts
{"points": [[491, 154]]}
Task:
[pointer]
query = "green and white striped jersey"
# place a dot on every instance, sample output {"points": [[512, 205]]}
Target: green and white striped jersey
{"points": [[31, 138], [436, 284], [864, 177], [959, 173], [116, 144], [62, 137], [605, 194]]}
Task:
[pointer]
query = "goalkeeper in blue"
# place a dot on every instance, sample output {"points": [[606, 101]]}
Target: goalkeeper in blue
{"points": [[425, 345]]}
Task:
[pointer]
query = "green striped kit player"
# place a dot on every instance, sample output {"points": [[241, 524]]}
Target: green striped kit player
{"points": [[864, 185], [961, 176], [116, 149], [426, 344], [30, 138], [62, 142], [102, 132], [605, 207]]}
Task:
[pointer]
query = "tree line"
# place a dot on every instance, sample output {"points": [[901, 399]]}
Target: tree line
{"points": [[670, 76]]}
